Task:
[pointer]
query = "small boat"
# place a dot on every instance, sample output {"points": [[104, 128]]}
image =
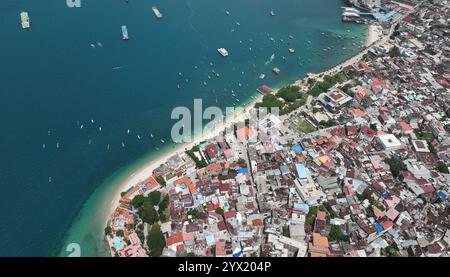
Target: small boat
{"points": [[123, 144], [223, 52], [238, 24], [262, 76], [162, 141], [227, 12], [291, 37], [138, 136], [157, 13], [25, 20], [128, 131], [276, 70], [272, 13], [291, 50], [151, 135], [124, 32], [178, 87]]}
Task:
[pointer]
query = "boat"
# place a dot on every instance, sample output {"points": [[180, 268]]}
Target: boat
{"points": [[157, 12], [124, 32], [291, 50], [223, 52], [276, 70], [152, 136], [272, 13], [162, 141], [25, 19], [227, 12], [262, 76]]}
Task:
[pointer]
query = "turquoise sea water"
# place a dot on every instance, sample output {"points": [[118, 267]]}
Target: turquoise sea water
{"points": [[52, 82]]}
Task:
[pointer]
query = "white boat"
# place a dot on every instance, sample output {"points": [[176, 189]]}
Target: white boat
{"points": [[223, 52], [157, 12], [262, 76], [124, 32], [25, 19], [272, 13]]}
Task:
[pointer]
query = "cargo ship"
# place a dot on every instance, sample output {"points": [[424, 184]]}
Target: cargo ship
{"points": [[124, 32], [25, 20], [157, 12]]}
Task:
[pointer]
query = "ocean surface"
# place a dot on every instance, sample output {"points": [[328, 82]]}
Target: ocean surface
{"points": [[71, 88]]}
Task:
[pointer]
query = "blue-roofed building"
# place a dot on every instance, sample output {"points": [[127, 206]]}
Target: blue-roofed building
{"points": [[301, 207], [301, 172], [297, 148], [383, 17], [379, 227], [242, 170]]}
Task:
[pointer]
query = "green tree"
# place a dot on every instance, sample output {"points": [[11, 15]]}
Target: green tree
{"points": [[154, 197], [148, 214], [108, 230], [137, 201], [119, 233], [164, 204], [156, 241], [269, 101], [289, 93], [286, 232], [396, 166], [442, 167], [219, 211], [194, 213], [336, 234], [161, 180]]}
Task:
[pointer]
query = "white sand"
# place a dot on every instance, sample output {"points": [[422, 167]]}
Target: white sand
{"points": [[374, 33]]}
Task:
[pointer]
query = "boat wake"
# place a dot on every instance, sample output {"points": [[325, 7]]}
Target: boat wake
{"points": [[270, 60]]}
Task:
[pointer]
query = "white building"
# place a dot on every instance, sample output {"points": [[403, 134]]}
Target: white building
{"points": [[389, 142]]}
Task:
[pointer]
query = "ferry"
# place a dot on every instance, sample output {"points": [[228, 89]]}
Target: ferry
{"points": [[156, 12], [124, 32], [223, 52], [25, 20]]}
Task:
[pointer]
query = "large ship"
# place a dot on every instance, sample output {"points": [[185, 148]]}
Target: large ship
{"points": [[157, 12], [25, 20], [124, 32]]}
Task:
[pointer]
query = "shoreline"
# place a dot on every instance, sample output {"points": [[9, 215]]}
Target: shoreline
{"points": [[142, 173], [146, 171]]}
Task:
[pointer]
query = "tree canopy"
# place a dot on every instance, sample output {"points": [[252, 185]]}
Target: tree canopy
{"points": [[156, 241]]}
